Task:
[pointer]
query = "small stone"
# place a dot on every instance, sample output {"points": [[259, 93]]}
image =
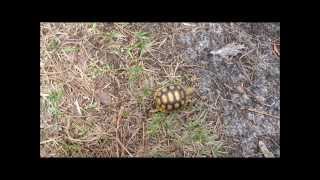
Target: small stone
{"points": [[260, 99]]}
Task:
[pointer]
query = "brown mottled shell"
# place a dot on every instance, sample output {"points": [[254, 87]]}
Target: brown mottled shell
{"points": [[170, 98]]}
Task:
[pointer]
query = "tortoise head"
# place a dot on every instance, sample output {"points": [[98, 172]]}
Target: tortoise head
{"points": [[189, 91]]}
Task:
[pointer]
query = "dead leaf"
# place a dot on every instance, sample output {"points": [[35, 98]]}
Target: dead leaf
{"points": [[76, 108]]}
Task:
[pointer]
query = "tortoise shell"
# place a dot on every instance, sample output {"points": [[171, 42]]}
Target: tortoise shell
{"points": [[170, 98]]}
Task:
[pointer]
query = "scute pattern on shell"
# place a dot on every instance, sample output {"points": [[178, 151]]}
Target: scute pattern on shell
{"points": [[170, 98]]}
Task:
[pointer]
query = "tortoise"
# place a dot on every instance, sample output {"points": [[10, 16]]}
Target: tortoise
{"points": [[172, 97]]}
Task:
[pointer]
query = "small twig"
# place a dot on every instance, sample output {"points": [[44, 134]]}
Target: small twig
{"points": [[172, 41], [123, 147], [154, 58], [265, 150], [149, 70], [115, 78], [165, 71], [117, 147], [215, 104], [49, 140], [191, 66], [230, 88], [162, 42], [133, 135], [143, 136], [117, 138], [275, 49], [214, 81], [263, 113], [211, 106], [83, 140], [54, 73], [244, 71], [44, 95], [175, 70], [246, 54], [117, 128], [79, 116], [107, 85], [172, 76]]}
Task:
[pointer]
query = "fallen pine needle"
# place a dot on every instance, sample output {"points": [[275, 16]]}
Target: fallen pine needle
{"points": [[123, 147], [83, 140], [50, 140], [264, 113]]}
